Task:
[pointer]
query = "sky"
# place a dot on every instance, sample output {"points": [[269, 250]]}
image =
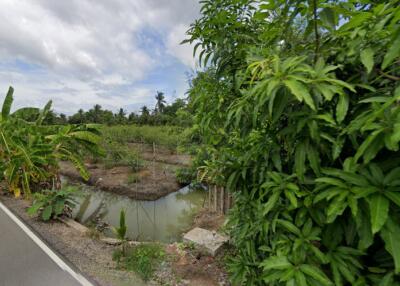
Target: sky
{"points": [[116, 53]]}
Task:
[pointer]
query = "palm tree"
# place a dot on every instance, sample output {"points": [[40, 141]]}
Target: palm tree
{"points": [[121, 116], [145, 111], [145, 114], [160, 98]]}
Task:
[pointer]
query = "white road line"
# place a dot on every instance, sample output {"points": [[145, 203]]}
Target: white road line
{"points": [[82, 280]]}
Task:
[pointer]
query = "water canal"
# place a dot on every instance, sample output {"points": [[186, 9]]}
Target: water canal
{"points": [[162, 220]]}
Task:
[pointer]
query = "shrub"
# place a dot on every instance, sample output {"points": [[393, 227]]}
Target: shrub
{"points": [[185, 176], [52, 203], [300, 112]]}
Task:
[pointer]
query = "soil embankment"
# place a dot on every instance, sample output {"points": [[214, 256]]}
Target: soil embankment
{"points": [[149, 185], [154, 180]]}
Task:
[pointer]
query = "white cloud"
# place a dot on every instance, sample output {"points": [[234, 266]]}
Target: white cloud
{"points": [[183, 52], [90, 47]]}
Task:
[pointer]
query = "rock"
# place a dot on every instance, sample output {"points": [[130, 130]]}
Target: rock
{"points": [[209, 241]]}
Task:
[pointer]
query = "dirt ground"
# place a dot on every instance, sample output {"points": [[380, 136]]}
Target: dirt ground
{"points": [[196, 267], [191, 267]]}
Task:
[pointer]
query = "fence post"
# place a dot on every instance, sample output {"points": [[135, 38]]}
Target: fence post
{"points": [[222, 199]]}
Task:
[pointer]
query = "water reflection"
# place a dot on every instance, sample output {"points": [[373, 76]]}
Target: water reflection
{"points": [[163, 220]]}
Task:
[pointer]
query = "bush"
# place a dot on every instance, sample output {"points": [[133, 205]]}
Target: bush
{"points": [[300, 113], [52, 203], [185, 176]]}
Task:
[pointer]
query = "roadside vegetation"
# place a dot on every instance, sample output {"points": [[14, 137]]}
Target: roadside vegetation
{"points": [[298, 112], [144, 259]]}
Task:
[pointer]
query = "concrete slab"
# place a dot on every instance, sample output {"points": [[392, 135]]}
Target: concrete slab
{"points": [[209, 241]]}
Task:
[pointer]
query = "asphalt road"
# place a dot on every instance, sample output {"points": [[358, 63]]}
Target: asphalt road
{"points": [[25, 260]]}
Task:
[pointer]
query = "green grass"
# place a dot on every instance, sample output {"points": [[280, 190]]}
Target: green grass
{"points": [[143, 259], [168, 136]]}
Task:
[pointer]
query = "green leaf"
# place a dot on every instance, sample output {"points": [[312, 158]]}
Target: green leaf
{"points": [[387, 280], [289, 226], [315, 273], [342, 107], [300, 279], [59, 207], [44, 113], [328, 17], [392, 53], [46, 214], [390, 234], [291, 197], [5, 112], [300, 91], [271, 202], [276, 262], [364, 230], [367, 59], [314, 158], [379, 208], [32, 210], [367, 142], [393, 196], [356, 21], [300, 158], [393, 175]]}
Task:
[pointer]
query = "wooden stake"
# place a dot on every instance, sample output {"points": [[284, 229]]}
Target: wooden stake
{"points": [[209, 198], [222, 199], [215, 199]]}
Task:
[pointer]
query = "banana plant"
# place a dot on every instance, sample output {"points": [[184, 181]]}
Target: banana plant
{"points": [[30, 151]]}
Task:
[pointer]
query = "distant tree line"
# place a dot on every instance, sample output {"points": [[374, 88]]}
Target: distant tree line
{"points": [[176, 113]]}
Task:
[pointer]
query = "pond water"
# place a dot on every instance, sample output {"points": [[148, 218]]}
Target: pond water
{"points": [[162, 220]]}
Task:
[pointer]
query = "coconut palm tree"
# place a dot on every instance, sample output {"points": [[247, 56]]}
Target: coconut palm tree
{"points": [[160, 104]]}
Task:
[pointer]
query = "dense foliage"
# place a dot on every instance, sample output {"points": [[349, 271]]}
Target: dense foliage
{"points": [[299, 111], [30, 151]]}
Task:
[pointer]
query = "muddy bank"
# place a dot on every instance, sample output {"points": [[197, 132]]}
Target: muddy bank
{"points": [[153, 182], [92, 257]]}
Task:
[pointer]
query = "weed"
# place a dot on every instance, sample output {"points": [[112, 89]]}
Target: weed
{"points": [[142, 259]]}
